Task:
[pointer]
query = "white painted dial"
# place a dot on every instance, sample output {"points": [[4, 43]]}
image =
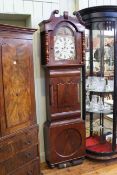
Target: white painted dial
{"points": [[64, 47]]}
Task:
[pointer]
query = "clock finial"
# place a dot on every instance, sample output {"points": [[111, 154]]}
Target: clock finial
{"points": [[77, 14], [54, 13], [65, 14]]}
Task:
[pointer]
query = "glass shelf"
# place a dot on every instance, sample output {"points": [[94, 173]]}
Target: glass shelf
{"points": [[100, 91], [105, 111]]}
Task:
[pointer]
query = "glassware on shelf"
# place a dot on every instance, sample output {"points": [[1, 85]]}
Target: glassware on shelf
{"points": [[97, 104], [87, 100], [87, 84], [107, 106], [93, 103], [110, 85], [91, 83], [94, 83], [98, 84], [101, 84], [100, 104]]}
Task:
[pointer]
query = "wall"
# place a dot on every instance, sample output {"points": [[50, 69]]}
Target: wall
{"points": [[38, 9]]}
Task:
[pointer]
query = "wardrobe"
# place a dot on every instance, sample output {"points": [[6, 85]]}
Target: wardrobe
{"points": [[19, 148]]}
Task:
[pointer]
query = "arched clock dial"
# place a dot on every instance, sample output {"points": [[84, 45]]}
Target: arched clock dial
{"points": [[64, 44]]}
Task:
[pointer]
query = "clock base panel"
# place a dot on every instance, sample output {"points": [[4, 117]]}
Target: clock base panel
{"points": [[64, 142]]}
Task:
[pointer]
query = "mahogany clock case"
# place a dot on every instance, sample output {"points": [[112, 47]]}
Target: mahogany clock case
{"points": [[64, 130]]}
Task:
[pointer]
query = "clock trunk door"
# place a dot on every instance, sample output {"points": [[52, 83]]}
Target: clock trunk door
{"points": [[18, 98], [64, 94]]}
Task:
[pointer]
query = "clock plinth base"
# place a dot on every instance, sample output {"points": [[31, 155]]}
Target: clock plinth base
{"points": [[64, 142], [67, 164], [78, 161]]}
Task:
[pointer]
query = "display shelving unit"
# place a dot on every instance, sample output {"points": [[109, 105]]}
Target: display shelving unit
{"points": [[101, 81]]}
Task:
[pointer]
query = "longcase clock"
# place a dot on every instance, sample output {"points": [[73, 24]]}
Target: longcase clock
{"points": [[62, 48]]}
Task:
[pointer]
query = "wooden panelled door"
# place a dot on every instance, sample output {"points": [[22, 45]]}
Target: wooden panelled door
{"points": [[18, 97]]}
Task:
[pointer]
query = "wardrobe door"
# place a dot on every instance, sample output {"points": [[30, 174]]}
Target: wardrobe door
{"points": [[18, 90]]}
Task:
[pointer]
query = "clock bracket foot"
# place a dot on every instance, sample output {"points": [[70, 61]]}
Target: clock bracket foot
{"points": [[66, 164]]}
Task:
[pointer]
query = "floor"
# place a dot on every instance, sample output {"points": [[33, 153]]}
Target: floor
{"points": [[89, 167]]}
